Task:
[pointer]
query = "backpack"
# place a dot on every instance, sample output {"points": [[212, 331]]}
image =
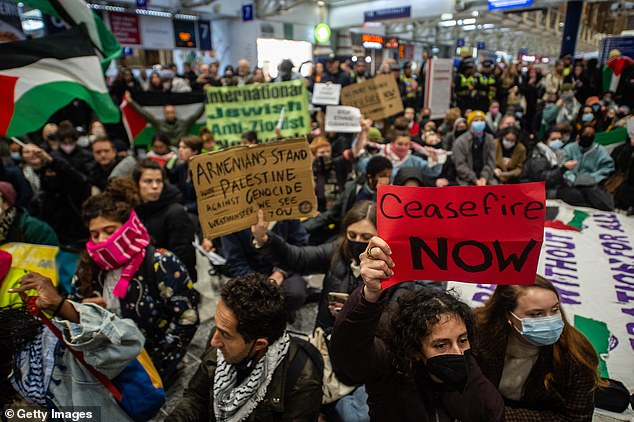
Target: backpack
{"points": [[305, 351]]}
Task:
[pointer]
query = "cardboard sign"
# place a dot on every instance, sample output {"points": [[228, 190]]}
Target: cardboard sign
{"points": [[377, 98], [232, 184], [474, 234], [234, 110], [343, 119], [326, 94]]}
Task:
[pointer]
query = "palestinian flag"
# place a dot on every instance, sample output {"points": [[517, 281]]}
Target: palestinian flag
{"points": [[140, 132], [40, 76], [612, 72], [563, 217], [77, 12]]}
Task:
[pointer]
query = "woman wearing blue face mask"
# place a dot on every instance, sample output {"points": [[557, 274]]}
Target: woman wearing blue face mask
{"points": [[544, 368]]}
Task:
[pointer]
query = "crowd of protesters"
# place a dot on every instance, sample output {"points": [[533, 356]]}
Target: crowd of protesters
{"points": [[412, 352]]}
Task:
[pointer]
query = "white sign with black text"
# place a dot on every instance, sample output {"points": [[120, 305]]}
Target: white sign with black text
{"points": [[344, 119], [326, 94]]}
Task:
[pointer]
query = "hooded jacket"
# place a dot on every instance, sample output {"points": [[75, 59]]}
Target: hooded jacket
{"points": [[170, 227]]}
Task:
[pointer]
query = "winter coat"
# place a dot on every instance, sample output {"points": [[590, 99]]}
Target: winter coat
{"points": [[170, 227], [50, 370], [243, 258], [59, 201], [539, 168], [364, 358], [315, 260], [80, 159], [179, 177], [572, 400], [463, 159], [160, 300], [28, 229], [517, 161], [281, 403], [595, 162]]}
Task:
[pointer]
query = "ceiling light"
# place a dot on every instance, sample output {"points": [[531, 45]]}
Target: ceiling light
{"points": [[321, 3], [469, 21], [469, 27], [184, 17], [475, 13], [150, 12], [447, 23], [446, 16]]}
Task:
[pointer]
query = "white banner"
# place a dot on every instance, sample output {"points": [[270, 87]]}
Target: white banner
{"points": [[326, 94], [438, 86], [593, 269], [344, 119]]}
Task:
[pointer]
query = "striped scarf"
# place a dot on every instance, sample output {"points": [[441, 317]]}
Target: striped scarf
{"points": [[234, 403], [124, 248]]}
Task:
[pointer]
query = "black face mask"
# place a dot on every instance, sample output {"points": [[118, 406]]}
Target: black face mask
{"points": [[586, 140], [460, 132], [450, 369], [357, 248], [437, 146], [322, 164]]}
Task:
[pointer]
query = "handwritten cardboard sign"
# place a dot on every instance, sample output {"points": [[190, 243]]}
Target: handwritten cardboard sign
{"points": [[343, 119], [377, 98], [232, 184], [489, 234], [326, 94]]}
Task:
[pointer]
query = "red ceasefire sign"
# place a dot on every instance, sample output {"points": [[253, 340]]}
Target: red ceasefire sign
{"points": [[474, 234]]}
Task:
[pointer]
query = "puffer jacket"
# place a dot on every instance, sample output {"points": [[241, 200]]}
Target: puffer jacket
{"points": [[299, 403]]}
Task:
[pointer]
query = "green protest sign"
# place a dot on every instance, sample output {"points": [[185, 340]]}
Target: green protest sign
{"points": [[234, 110]]}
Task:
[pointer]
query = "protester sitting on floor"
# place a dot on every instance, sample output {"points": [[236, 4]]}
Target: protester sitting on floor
{"points": [[244, 257], [121, 272], [162, 152], [544, 368], [459, 127], [162, 214], [510, 156], [36, 366], [397, 151], [180, 176], [588, 165], [339, 258], [171, 126], [253, 371], [545, 163], [17, 225], [378, 170], [474, 153], [422, 369]]}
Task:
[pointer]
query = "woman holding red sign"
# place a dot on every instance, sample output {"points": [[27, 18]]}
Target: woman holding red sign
{"points": [[421, 369], [544, 368]]}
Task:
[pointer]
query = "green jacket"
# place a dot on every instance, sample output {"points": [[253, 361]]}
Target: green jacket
{"points": [[175, 130], [28, 229], [301, 405]]}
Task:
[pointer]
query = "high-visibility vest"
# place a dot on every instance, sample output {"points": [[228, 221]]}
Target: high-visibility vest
{"points": [[486, 82], [465, 84]]}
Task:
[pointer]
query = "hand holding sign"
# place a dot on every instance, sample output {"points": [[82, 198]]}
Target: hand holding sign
{"points": [[376, 265]]}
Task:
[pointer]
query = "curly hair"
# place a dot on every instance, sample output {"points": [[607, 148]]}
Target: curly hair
{"points": [[17, 328], [258, 305], [114, 204], [413, 319]]}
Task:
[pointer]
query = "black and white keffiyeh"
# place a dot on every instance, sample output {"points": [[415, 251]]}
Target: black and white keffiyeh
{"points": [[234, 403]]}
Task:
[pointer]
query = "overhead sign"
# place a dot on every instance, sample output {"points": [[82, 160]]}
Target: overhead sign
{"points": [[391, 13], [625, 46], [184, 33], [481, 45], [591, 267], [508, 4], [475, 234], [204, 35], [234, 110], [125, 28], [377, 98], [438, 79], [460, 42], [326, 94], [156, 33], [232, 184], [322, 33], [371, 41], [10, 25], [343, 119], [247, 12], [141, 4]]}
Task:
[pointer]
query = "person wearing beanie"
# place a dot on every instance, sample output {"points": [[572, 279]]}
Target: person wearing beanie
{"points": [[474, 153], [17, 225]]}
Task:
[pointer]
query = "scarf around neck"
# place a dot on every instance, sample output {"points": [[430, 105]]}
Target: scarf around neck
{"points": [[6, 221], [235, 403], [124, 248]]}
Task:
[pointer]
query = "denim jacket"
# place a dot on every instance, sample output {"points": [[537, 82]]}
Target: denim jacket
{"points": [[47, 373]]}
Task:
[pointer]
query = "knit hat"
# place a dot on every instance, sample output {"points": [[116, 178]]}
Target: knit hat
{"points": [[473, 115], [374, 134], [8, 192]]}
